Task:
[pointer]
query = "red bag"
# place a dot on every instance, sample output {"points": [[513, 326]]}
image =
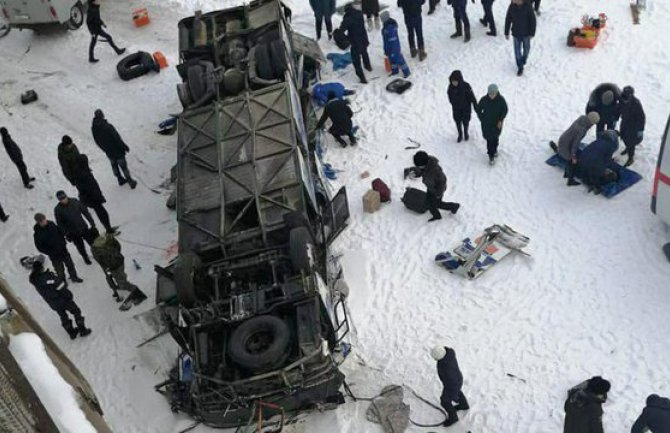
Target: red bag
{"points": [[383, 190]]}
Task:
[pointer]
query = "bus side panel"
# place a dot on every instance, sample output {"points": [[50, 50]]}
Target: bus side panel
{"points": [[660, 202]]}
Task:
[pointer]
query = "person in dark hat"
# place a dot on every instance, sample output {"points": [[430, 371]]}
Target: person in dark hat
{"points": [[428, 168], [340, 114], [583, 407], [49, 240], [16, 156], [67, 158], [353, 24], [633, 121], [110, 142], [95, 24], [54, 291], [70, 214], [462, 100], [655, 417]]}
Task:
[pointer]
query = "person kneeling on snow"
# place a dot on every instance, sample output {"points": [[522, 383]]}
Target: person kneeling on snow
{"points": [[428, 168], [595, 165], [54, 291], [106, 251], [340, 114], [452, 381], [583, 407], [320, 92], [392, 48], [569, 141]]}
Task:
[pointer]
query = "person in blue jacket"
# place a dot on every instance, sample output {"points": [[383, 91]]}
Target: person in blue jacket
{"points": [[323, 11], [392, 47], [595, 165], [320, 92]]}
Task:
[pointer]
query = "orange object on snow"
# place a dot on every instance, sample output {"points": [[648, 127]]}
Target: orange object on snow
{"points": [[141, 17], [585, 41], [160, 60], [387, 64]]}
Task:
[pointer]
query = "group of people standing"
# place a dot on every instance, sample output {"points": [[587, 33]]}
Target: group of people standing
{"points": [[74, 223]]}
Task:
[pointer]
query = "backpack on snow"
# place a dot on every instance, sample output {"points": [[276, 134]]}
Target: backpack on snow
{"points": [[398, 86], [415, 200], [383, 190]]}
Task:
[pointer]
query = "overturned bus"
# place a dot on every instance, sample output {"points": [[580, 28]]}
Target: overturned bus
{"points": [[254, 299]]}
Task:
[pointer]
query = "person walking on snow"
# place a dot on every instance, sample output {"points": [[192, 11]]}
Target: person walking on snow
{"points": [[488, 19], [460, 18], [655, 417], [492, 110], [3, 216], [323, 11], [49, 240], [70, 214], [54, 291], [521, 19], [106, 251], [570, 140], [353, 25], [371, 10], [340, 114], [428, 168], [109, 140], [411, 9], [462, 99], [16, 156], [583, 407], [605, 100], [68, 153], [89, 192], [392, 48], [95, 25], [452, 383], [632, 123], [536, 5], [432, 4]]}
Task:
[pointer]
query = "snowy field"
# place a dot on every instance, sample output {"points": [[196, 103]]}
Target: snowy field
{"points": [[593, 299]]}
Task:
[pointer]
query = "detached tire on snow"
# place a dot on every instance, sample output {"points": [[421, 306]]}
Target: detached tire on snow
{"points": [[301, 249], [76, 16], [184, 275], [135, 65], [260, 344]]}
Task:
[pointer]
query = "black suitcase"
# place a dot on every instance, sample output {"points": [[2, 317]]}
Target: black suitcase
{"points": [[415, 200]]}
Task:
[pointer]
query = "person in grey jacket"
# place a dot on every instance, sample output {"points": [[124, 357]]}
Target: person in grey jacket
{"points": [[655, 417], [428, 167], [569, 141], [70, 214]]}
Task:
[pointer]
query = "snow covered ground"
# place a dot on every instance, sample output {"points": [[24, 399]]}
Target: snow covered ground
{"points": [[593, 299]]}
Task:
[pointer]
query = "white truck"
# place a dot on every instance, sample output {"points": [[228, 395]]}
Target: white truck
{"points": [[39, 14], [660, 199]]}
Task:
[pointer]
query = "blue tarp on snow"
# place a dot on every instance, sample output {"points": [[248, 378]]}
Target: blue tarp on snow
{"points": [[340, 61], [627, 177]]}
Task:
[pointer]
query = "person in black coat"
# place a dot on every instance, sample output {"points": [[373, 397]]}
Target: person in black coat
{"points": [[16, 156], [353, 24], [583, 407], [70, 214], [411, 9], [632, 122], [462, 100], [536, 6], [655, 417], [89, 191], [428, 168], [95, 24], [340, 114], [3, 216], [488, 19], [606, 101], [68, 153], [370, 9], [452, 381], [49, 240], [460, 18], [492, 110], [110, 142], [521, 19], [54, 291], [595, 164]]}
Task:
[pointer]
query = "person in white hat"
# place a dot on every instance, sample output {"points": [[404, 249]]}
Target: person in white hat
{"points": [[452, 398]]}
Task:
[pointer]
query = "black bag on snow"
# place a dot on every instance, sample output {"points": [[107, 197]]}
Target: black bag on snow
{"points": [[341, 39], [415, 200], [398, 86]]}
